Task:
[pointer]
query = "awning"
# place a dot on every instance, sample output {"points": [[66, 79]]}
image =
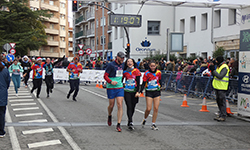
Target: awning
{"points": [[185, 3]]}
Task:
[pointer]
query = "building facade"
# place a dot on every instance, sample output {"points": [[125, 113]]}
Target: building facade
{"points": [[56, 28], [70, 43]]}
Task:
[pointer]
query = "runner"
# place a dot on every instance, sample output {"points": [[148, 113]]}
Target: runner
{"points": [[37, 76], [113, 76], [152, 81], [16, 69], [132, 84], [49, 80], [26, 67], [74, 69]]}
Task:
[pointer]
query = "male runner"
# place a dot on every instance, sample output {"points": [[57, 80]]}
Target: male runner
{"points": [[74, 69], [113, 76]]}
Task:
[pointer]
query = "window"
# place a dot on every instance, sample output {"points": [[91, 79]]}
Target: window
{"points": [[51, 38], [116, 33], [217, 18], [51, 49], [192, 24], [42, 1], [103, 19], [63, 39], [51, 26], [97, 41], [62, 28], [182, 25], [62, 5], [121, 32], [96, 23], [116, 6], [204, 21], [63, 50], [232, 16], [153, 27], [92, 42], [51, 2], [62, 16], [103, 38]]}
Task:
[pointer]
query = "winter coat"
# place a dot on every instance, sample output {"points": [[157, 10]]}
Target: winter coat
{"points": [[4, 85], [15, 67], [202, 68]]}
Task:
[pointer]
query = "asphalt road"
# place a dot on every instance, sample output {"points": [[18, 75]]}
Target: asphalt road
{"points": [[63, 124]]}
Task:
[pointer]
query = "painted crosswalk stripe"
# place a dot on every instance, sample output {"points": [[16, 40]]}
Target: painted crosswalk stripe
{"points": [[19, 94], [37, 131], [22, 104], [27, 108], [44, 143], [21, 100], [14, 92], [35, 121], [22, 96], [28, 114]]}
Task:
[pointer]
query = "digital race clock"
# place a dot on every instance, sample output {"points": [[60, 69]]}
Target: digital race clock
{"points": [[125, 20]]}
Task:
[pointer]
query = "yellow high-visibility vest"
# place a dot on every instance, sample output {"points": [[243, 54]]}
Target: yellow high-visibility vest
{"points": [[221, 84]]}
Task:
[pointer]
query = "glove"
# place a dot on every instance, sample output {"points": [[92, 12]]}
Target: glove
{"points": [[211, 68]]}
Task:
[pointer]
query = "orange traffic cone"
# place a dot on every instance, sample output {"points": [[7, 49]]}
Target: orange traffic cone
{"points": [[204, 106], [228, 108], [101, 87], [184, 103], [97, 84], [142, 95]]}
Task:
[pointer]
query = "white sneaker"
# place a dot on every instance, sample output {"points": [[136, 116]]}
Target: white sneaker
{"points": [[1, 136], [16, 95], [154, 127]]}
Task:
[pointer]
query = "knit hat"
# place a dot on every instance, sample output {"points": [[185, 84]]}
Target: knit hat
{"points": [[220, 59], [39, 58]]}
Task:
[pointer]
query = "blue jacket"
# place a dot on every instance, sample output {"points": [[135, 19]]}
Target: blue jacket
{"points": [[4, 85]]}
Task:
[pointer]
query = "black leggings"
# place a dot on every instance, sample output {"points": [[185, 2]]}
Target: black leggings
{"points": [[74, 86], [49, 83], [37, 84], [26, 78], [131, 102]]}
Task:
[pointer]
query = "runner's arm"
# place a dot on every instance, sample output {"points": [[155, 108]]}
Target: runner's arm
{"points": [[138, 83]]}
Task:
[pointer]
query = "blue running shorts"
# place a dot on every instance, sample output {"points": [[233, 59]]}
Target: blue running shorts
{"points": [[113, 93]]}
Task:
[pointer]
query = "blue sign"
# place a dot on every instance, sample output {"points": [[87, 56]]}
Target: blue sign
{"points": [[10, 57], [244, 83]]}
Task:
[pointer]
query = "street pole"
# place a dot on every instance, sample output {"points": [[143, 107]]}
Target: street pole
{"points": [[74, 30], [212, 28], [103, 31]]}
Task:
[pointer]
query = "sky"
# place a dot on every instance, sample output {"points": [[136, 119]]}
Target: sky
{"points": [[70, 14]]}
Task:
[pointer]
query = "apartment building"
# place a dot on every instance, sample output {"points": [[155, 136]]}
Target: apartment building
{"points": [[56, 28], [88, 29], [70, 43]]}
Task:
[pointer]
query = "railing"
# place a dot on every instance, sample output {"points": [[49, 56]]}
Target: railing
{"points": [[80, 19], [90, 32], [196, 85], [90, 15], [79, 34]]}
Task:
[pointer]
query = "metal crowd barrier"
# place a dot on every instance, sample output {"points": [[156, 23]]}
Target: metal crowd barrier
{"points": [[196, 85]]}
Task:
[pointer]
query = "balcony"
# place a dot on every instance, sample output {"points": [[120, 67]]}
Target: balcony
{"points": [[34, 4], [62, 44], [90, 33], [70, 39], [90, 16], [110, 45], [63, 22], [62, 11], [53, 43], [80, 20], [62, 33], [82, 5], [70, 49], [80, 34], [50, 7], [52, 31], [52, 19], [109, 29]]}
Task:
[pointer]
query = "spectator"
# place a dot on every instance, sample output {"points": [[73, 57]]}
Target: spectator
{"points": [[105, 64], [141, 66], [88, 65], [98, 65], [146, 66], [6, 63], [203, 67], [177, 65], [138, 62], [235, 72], [5, 83]]}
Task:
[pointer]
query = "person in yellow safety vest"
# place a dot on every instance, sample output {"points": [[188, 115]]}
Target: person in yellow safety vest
{"points": [[220, 85]]}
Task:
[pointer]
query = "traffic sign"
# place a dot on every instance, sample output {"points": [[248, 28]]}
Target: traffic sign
{"points": [[80, 46], [10, 57], [13, 45], [88, 51], [6, 47], [80, 52], [12, 51]]}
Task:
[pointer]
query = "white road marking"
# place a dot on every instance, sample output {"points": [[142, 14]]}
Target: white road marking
{"points": [[13, 138], [31, 121], [22, 104], [19, 94], [140, 111], [37, 131], [44, 143], [21, 100], [14, 92], [28, 108], [22, 96], [29, 114]]}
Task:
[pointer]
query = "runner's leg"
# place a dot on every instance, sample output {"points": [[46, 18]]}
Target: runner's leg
{"points": [[120, 110], [156, 106], [149, 102], [76, 86], [111, 106]]}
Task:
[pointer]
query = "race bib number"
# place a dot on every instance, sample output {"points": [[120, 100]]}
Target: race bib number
{"points": [[49, 73], [75, 75], [130, 82], [153, 83], [39, 69], [25, 68], [119, 73]]}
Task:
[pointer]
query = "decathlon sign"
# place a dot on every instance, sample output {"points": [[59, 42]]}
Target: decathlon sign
{"points": [[145, 46]]}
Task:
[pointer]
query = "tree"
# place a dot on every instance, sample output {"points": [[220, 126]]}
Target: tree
{"points": [[218, 52], [20, 25]]}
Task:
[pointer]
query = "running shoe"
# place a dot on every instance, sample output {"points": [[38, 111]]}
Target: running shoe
{"points": [[216, 118], [47, 95], [118, 128], [50, 90], [143, 122], [68, 96], [154, 127], [109, 120], [131, 126], [1, 136], [37, 96], [74, 99], [221, 119]]}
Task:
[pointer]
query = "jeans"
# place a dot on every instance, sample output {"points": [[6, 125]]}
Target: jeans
{"points": [[16, 80], [74, 86], [2, 119], [131, 102]]}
